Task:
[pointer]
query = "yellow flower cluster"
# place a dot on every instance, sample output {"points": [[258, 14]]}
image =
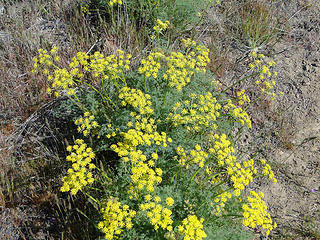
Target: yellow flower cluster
{"points": [[86, 123], [194, 156], [85, 9], [151, 65], [144, 177], [202, 57], [111, 132], [115, 219], [181, 67], [144, 174], [217, 85], [143, 133], [180, 70], [201, 112], [223, 150], [238, 113], [111, 66], [188, 43], [267, 171], [266, 80], [78, 176], [169, 201], [213, 174], [221, 199], [62, 79], [192, 228], [79, 64], [242, 97], [161, 26], [114, 2], [255, 213], [158, 215], [137, 99], [46, 59], [241, 175]]}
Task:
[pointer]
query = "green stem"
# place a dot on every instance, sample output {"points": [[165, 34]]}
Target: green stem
{"points": [[217, 174], [93, 88], [102, 84], [116, 84], [200, 20], [124, 79], [92, 198], [165, 95], [196, 172], [237, 136], [155, 42], [155, 161], [176, 177], [75, 96], [227, 215], [256, 100], [223, 191], [239, 81], [77, 103], [205, 201], [93, 188], [194, 175], [145, 83], [232, 215]]}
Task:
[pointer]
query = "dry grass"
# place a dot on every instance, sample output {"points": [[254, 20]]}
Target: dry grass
{"points": [[31, 140], [26, 27], [29, 171]]}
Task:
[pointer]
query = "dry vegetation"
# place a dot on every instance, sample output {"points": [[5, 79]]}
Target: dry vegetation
{"points": [[32, 137]]}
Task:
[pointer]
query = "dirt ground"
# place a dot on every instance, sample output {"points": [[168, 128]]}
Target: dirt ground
{"points": [[292, 125], [295, 199], [292, 139]]}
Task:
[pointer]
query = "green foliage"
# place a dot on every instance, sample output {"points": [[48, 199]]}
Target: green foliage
{"points": [[182, 13], [137, 18], [158, 155], [229, 231]]}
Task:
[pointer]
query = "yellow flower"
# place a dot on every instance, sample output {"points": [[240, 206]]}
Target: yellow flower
{"points": [[78, 176], [255, 213], [155, 156], [192, 228], [114, 2], [115, 218], [169, 201], [86, 123]]}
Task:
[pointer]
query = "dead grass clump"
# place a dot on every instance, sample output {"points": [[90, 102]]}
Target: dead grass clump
{"points": [[25, 27], [256, 27], [31, 165]]}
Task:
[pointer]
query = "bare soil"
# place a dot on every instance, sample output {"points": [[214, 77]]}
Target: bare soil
{"points": [[295, 199], [291, 124]]}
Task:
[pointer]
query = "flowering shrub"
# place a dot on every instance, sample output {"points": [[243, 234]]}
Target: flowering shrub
{"points": [[177, 171], [81, 158]]}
